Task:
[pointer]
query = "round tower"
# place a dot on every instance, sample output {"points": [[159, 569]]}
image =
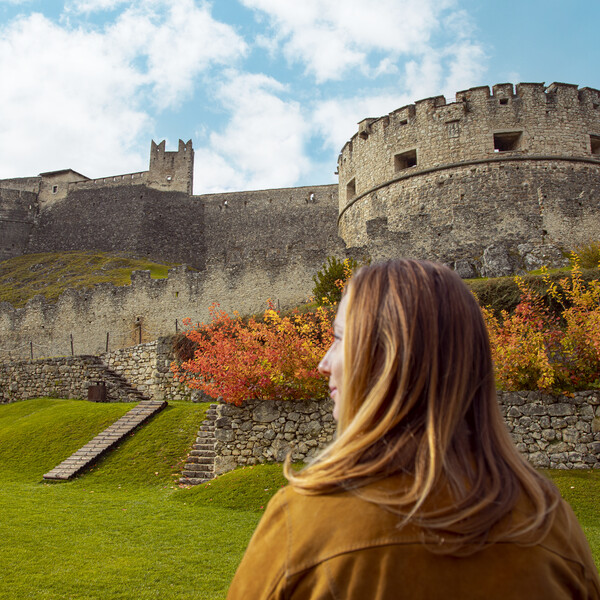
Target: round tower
{"points": [[445, 181]]}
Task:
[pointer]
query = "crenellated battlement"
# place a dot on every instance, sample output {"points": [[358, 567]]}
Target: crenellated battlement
{"points": [[529, 96], [529, 119]]}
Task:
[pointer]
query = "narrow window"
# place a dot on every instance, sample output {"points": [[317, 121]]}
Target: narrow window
{"points": [[54, 189], [405, 160], [595, 144], [403, 122], [351, 189], [506, 142]]}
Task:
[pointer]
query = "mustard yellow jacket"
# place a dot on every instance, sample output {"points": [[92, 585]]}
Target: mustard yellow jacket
{"points": [[337, 546]]}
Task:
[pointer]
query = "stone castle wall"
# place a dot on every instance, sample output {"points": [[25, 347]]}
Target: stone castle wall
{"points": [[247, 248], [489, 184], [443, 181], [139, 178], [18, 212]]}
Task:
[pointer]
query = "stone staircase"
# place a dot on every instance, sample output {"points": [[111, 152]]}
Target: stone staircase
{"points": [[112, 435], [118, 389], [200, 464]]}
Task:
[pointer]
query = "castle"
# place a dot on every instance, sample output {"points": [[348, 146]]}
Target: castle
{"points": [[492, 183]]}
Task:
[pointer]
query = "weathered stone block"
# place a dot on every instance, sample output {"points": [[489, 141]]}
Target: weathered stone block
{"points": [[266, 412], [560, 410]]}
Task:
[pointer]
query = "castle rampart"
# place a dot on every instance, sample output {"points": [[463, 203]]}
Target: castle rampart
{"points": [[247, 248], [138, 178], [525, 161]]}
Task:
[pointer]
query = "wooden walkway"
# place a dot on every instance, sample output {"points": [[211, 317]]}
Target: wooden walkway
{"points": [[105, 440]]}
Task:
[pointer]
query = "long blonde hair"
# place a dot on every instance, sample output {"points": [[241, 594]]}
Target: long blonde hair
{"points": [[419, 400]]}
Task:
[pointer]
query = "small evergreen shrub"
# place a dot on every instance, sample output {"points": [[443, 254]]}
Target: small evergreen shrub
{"points": [[330, 280]]}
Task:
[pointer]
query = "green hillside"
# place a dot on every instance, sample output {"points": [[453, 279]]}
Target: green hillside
{"points": [[124, 529], [50, 274]]}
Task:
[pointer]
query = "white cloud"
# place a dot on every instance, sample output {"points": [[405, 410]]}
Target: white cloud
{"points": [[465, 67], [69, 100], [88, 6], [82, 97], [179, 40], [332, 39], [262, 145]]}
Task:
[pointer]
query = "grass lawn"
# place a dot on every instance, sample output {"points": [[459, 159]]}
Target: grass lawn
{"points": [[124, 530]]}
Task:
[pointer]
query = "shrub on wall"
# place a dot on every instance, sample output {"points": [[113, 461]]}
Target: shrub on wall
{"points": [[539, 346], [331, 279], [275, 358]]}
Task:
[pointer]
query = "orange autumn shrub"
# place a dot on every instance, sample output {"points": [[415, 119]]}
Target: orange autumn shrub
{"points": [[524, 344], [533, 349], [275, 358], [580, 342]]}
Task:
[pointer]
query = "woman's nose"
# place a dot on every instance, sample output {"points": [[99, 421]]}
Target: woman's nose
{"points": [[324, 365]]}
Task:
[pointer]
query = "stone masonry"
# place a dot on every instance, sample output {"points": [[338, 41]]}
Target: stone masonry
{"points": [[551, 431], [66, 377], [558, 432], [444, 181], [131, 374]]}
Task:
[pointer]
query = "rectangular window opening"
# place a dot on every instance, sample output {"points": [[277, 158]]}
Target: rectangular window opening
{"points": [[403, 122], [405, 160], [504, 101], [351, 189], [595, 144], [507, 142], [54, 189]]}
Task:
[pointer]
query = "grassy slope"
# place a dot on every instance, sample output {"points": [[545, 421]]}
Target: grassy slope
{"points": [[123, 529], [50, 274]]}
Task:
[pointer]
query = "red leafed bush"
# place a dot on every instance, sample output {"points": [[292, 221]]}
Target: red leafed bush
{"points": [[275, 358]]}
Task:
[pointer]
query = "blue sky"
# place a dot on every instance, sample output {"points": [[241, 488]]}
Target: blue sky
{"points": [[268, 90]]}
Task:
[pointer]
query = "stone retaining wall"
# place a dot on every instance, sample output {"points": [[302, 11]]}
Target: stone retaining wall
{"points": [[129, 373], [265, 431], [59, 377], [63, 377], [557, 432], [147, 367]]}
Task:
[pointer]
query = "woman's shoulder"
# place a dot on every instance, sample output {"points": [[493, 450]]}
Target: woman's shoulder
{"points": [[326, 525], [341, 529]]}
